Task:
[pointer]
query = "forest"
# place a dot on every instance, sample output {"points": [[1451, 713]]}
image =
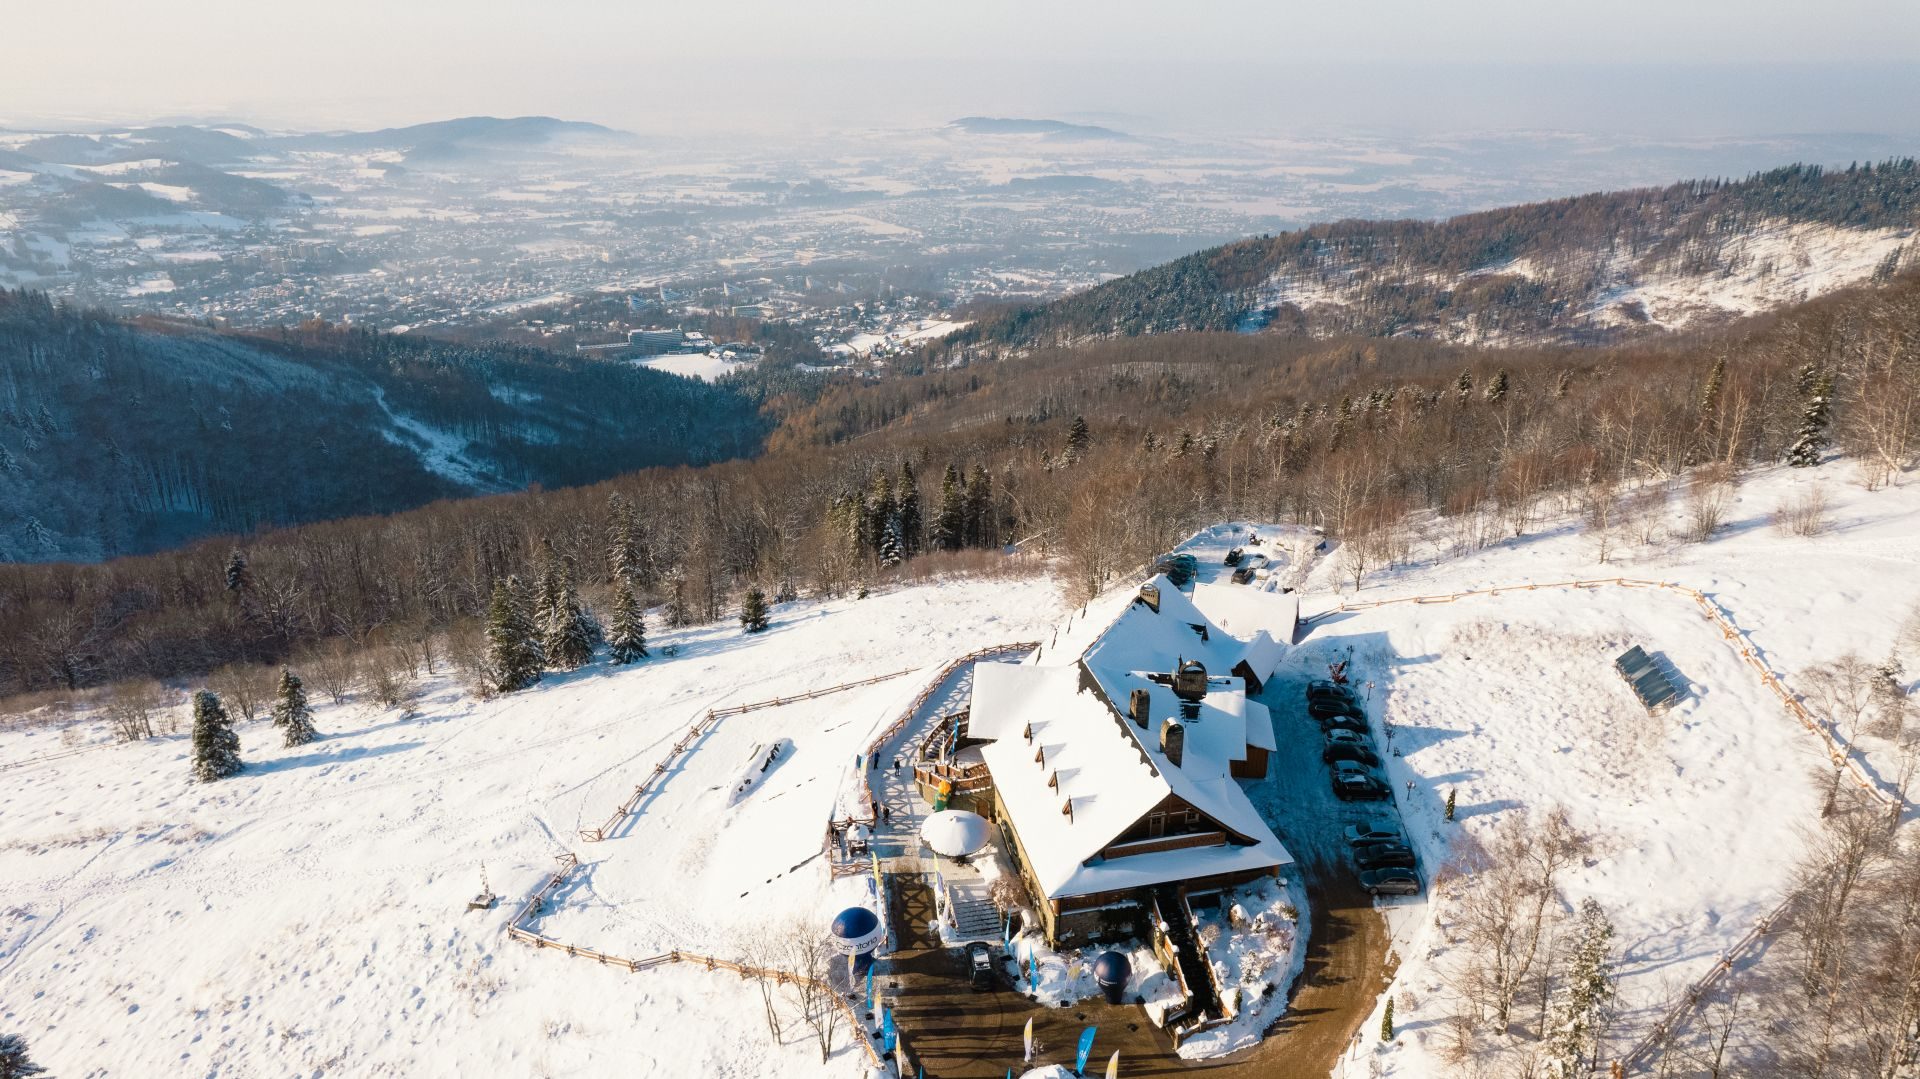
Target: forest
{"points": [[241, 431], [1100, 455], [1437, 279]]}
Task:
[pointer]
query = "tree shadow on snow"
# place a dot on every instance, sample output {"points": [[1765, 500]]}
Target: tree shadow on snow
{"points": [[344, 756]]}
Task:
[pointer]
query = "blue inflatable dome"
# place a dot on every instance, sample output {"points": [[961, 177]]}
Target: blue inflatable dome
{"points": [[856, 931], [1112, 968]]}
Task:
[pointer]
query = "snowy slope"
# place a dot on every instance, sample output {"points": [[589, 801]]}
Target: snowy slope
{"points": [[307, 917]]}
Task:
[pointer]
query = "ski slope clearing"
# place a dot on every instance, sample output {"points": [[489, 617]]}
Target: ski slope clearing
{"points": [[307, 917]]}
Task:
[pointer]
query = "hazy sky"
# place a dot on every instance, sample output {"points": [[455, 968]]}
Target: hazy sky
{"points": [[1639, 66]]}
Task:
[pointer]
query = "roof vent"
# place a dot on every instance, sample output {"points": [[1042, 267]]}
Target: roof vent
{"points": [[1190, 680], [1150, 595], [1139, 703], [1189, 710], [1173, 740]]}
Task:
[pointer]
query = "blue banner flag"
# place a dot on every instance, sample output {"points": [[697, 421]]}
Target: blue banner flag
{"points": [[869, 988], [886, 1023], [1086, 1049]]}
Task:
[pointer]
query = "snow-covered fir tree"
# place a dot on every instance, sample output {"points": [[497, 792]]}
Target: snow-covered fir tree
{"points": [[623, 540], [909, 510], [290, 711], [950, 523], [14, 1062], [1463, 387], [753, 611], [1497, 389], [1584, 1010], [889, 547], [1817, 385], [1078, 439], [237, 575], [627, 635], [216, 749], [570, 631], [679, 613], [982, 529], [514, 657]]}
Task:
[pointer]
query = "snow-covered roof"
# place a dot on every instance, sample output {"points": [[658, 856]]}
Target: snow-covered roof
{"points": [[1059, 734]]}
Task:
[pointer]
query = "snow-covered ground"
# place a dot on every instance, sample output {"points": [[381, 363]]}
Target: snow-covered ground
{"points": [[1510, 703], [307, 917]]}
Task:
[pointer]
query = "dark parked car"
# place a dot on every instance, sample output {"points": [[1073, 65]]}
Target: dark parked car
{"points": [[1233, 556], [1341, 736], [980, 965], [1383, 855], [1322, 688], [1360, 835], [1323, 707], [1249, 566], [1179, 568], [1358, 787], [1394, 881], [1347, 751], [1355, 724]]}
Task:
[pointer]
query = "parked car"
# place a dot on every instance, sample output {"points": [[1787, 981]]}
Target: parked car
{"points": [[1358, 787], [1382, 855], [1391, 881], [1341, 736], [980, 965], [1356, 724], [1249, 565], [1320, 687], [1360, 835], [1349, 752], [1233, 556], [1323, 707], [1179, 568]]}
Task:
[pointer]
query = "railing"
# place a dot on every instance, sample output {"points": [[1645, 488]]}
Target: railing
{"points": [[685, 744], [1838, 753], [856, 1026], [870, 809]]}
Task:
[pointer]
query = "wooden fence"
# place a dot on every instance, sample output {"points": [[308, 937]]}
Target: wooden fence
{"points": [[856, 1025], [707, 721], [1841, 755], [870, 808]]}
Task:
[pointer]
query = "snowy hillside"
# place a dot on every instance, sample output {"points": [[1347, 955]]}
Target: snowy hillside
{"points": [[308, 916]]}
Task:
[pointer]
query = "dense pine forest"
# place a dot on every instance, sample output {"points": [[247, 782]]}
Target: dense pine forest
{"points": [[1537, 272], [236, 432], [1101, 455]]}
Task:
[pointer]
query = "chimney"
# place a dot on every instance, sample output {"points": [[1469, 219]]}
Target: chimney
{"points": [[1150, 595], [1190, 680], [1173, 740], [1139, 703]]}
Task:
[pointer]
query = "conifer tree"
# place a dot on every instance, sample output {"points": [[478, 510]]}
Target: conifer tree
{"points": [[623, 543], [1463, 387], [14, 1062], [1078, 439], [216, 749], [753, 611], [547, 595], [1584, 1009], [678, 611], [909, 509], [881, 509], [237, 575], [627, 636], [950, 523], [290, 711], [890, 552], [1497, 389], [981, 528], [1450, 795], [1386, 1022], [513, 651], [569, 632], [1817, 385]]}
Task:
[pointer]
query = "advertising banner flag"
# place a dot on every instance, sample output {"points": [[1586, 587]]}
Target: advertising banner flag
{"points": [[1027, 1040], [1086, 1048], [1113, 1065]]}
